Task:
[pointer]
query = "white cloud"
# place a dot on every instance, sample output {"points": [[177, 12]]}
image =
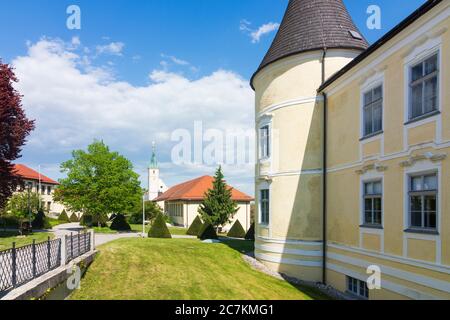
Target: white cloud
{"points": [[256, 35], [113, 48], [74, 102]]}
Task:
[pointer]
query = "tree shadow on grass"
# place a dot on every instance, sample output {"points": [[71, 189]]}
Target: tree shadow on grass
{"points": [[240, 245]]}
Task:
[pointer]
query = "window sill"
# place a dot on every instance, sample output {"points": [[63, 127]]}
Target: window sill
{"points": [[263, 225], [425, 116], [422, 231], [368, 226], [372, 135]]}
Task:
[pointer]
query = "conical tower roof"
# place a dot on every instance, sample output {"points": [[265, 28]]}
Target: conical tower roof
{"points": [[313, 25]]}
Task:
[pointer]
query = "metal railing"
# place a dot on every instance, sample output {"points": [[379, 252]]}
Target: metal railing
{"points": [[20, 265], [77, 244], [23, 264]]}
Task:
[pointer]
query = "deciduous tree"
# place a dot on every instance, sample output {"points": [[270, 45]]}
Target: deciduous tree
{"points": [[14, 128], [98, 182]]}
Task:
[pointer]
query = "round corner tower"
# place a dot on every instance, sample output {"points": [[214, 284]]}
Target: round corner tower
{"points": [[316, 39]]}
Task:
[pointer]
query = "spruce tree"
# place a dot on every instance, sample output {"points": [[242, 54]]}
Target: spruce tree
{"points": [[218, 207]]}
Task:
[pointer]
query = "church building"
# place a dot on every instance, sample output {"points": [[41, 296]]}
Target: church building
{"points": [[353, 174], [156, 186]]}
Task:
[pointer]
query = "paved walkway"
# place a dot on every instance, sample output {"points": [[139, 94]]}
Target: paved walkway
{"points": [[67, 229]]}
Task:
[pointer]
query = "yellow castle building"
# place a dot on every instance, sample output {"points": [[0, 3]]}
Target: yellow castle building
{"points": [[354, 152]]}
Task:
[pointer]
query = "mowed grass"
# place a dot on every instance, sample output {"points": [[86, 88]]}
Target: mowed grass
{"points": [[138, 228], [8, 237], [180, 269]]}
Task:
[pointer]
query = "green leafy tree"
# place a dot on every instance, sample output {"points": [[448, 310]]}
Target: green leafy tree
{"points": [[99, 182], [152, 210], [20, 204], [218, 207]]}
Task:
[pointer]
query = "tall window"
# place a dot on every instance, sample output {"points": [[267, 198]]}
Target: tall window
{"points": [[49, 190], [423, 191], [358, 287], [373, 194], [264, 142], [43, 190], [373, 111], [265, 206], [424, 88]]}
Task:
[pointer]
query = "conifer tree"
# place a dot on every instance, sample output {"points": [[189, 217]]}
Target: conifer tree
{"points": [[218, 207]]}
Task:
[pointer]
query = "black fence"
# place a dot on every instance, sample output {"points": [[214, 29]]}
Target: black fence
{"points": [[77, 244], [21, 265]]}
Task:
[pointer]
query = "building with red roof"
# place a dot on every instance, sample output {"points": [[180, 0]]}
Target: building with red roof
{"points": [[182, 202], [37, 182]]}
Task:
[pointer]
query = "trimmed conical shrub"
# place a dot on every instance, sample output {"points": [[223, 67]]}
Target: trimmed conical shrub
{"points": [[41, 221], [236, 231], [120, 223], [74, 218], [195, 227], [251, 233], [159, 228], [86, 220], [63, 216], [207, 232]]}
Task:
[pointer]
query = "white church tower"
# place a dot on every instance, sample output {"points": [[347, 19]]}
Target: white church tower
{"points": [[155, 185]]}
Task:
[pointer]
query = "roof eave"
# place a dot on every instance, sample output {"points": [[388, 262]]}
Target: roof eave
{"points": [[430, 4]]}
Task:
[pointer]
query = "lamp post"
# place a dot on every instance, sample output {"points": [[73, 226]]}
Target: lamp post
{"points": [[29, 203], [143, 216]]}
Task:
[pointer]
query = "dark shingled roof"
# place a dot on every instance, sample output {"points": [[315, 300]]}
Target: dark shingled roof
{"points": [[313, 25]]}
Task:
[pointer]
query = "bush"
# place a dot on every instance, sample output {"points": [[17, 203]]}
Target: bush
{"points": [[159, 228], [10, 222], [120, 223], [236, 231], [207, 232], [251, 233], [41, 221], [63, 216], [195, 227], [74, 218], [86, 220]]}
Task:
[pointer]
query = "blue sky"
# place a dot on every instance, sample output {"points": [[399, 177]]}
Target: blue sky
{"points": [[130, 51]]}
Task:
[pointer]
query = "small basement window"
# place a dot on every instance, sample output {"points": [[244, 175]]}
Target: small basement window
{"points": [[357, 287]]}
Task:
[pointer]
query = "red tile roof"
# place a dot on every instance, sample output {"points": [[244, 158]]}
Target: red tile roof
{"points": [[195, 190], [27, 173]]}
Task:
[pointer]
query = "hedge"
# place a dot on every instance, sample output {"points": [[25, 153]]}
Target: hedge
{"points": [[251, 233], [236, 231], [120, 223], [159, 228], [207, 232], [195, 227]]}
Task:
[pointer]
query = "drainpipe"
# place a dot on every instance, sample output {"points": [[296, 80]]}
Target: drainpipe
{"points": [[324, 176]]}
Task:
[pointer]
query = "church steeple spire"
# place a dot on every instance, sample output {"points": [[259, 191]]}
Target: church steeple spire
{"points": [[153, 161]]}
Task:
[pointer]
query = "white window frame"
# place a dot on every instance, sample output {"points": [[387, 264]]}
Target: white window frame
{"points": [[369, 84], [264, 186], [266, 121], [438, 77], [358, 291], [419, 168], [363, 209], [421, 53], [371, 87], [438, 213]]}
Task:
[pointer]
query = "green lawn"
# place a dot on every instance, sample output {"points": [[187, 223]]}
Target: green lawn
{"points": [[56, 222], [8, 237], [176, 269]]}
